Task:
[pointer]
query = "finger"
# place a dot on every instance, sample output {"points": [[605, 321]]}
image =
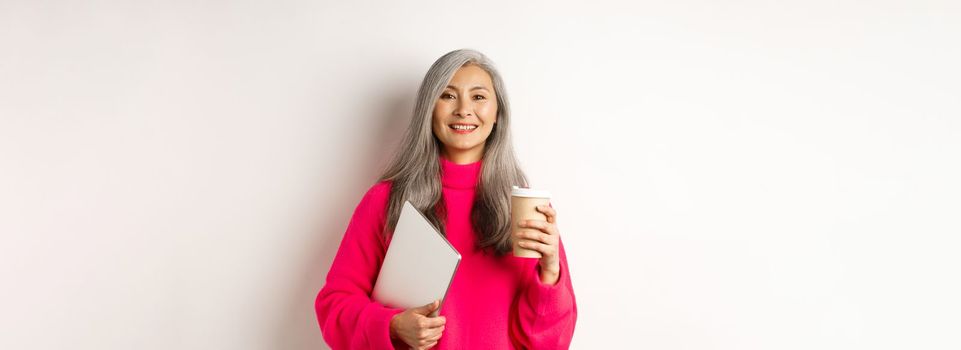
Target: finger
{"points": [[435, 337], [429, 343], [427, 309], [542, 225], [549, 212], [430, 336], [536, 236], [538, 224], [431, 333], [434, 322], [544, 249]]}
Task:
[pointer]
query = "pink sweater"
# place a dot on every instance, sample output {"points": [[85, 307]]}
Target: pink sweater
{"points": [[493, 302]]}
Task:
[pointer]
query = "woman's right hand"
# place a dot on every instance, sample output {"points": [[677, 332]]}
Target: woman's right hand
{"points": [[416, 328]]}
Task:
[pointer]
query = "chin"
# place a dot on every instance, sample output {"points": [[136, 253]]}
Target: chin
{"points": [[465, 147]]}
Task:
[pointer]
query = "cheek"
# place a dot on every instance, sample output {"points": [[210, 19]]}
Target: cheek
{"points": [[436, 116], [489, 113]]}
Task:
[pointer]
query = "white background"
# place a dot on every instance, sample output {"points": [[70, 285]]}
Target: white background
{"points": [[727, 174]]}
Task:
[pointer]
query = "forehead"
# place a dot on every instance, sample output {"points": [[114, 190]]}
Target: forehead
{"points": [[469, 76]]}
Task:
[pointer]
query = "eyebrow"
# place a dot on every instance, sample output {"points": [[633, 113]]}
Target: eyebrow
{"points": [[472, 89]]}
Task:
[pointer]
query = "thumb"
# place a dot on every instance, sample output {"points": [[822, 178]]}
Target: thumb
{"points": [[427, 309]]}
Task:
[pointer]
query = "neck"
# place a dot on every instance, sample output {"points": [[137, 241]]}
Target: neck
{"points": [[463, 157], [459, 176]]}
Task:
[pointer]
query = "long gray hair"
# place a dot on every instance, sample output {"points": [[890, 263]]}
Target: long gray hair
{"points": [[415, 166]]}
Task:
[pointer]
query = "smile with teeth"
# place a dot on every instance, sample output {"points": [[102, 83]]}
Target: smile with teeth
{"points": [[463, 127]]}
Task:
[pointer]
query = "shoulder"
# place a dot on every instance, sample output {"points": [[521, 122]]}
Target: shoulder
{"points": [[376, 198], [371, 211], [379, 192]]}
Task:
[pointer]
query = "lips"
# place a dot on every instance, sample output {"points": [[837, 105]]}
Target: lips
{"points": [[462, 128]]}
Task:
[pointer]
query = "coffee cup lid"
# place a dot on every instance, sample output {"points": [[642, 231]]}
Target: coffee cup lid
{"points": [[529, 192]]}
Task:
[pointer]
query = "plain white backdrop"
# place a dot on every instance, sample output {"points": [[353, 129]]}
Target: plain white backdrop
{"points": [[727, 174]]}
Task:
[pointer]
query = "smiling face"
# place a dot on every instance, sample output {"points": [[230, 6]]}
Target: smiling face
{"points": [[464, 114]]}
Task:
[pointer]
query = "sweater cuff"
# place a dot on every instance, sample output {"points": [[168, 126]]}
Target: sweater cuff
{"points": [[548, 299], [378, 326]]}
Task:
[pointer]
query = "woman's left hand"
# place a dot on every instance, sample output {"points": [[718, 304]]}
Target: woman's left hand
{"points": [[545, 240]]}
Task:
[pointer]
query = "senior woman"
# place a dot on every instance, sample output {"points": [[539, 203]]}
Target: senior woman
{"points": [[456, 165]]}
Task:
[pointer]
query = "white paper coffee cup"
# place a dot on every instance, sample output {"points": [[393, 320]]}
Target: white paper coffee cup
{"points": [[524, 203]]}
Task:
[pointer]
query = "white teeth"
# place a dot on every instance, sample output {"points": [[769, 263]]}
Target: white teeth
{"points": [[464, 127]]}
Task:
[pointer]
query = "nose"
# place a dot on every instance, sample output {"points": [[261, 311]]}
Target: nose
{"points": [[463, 109]]}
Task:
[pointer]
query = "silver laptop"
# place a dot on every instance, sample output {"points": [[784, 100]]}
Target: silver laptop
{"points": [[419, 265]]}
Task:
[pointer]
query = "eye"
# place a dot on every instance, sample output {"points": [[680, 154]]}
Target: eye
{"points": [[446, 95], [480, 97]]}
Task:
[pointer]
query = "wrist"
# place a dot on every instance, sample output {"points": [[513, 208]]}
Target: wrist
{"points": [[549, 276], [393, 326], [552, 268]]}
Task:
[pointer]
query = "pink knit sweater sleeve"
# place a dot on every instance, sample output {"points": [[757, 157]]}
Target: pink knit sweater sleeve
{"points": [[348, 318], [546, 314]]}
